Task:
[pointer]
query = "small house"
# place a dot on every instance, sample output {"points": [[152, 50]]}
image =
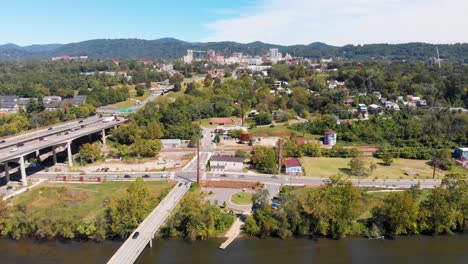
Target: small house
{"points": [[170, 143], [292, 166], [329, 137], [375, 109]]}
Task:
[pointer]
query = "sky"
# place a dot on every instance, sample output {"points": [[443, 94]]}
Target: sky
{"points": [[287, 22]]}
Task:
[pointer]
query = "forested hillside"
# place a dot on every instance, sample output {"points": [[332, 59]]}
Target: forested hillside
{"points": [[169, 48]]}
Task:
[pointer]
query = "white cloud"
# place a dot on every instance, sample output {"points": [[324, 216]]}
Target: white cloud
{"points": [[341, 22]]}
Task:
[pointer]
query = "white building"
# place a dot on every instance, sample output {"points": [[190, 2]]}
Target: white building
{"points": [[220, 163]]}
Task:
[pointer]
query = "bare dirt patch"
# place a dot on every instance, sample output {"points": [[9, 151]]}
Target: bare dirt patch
{"points": [[232, 184]]}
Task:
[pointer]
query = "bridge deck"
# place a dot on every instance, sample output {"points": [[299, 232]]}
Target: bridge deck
{"points": [[132, 247]]}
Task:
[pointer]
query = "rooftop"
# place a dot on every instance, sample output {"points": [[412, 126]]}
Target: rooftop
{"points": [[291, 162], [227, 159]]}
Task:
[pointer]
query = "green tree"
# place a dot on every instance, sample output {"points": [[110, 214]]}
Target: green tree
{"points": [[398, 215], [90, 152], [124, 213], [260, 199], [208, 80], [140, 90]]}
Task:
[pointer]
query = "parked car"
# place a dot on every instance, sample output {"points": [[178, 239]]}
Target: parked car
{"points": [[83, 126], [58, 134], [50, 128], [180, 184], [66, 133], [2, 141], [275, 177], [135, 235], [20, 144]]}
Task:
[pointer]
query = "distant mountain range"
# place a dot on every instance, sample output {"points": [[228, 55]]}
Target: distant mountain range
{"points": [[170, 48]]}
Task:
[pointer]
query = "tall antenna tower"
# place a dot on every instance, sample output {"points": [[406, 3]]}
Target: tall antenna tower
{"points": [[438, 58]]}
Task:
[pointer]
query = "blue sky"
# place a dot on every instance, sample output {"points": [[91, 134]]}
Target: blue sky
{"points": [[336, 22]]}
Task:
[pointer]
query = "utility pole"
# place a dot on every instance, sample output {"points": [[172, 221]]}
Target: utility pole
{"points": [[280, 156], [242, 108], [198, 147]]}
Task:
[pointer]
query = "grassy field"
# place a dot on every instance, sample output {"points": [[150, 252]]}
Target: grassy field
{"points": [[125, 104], [87, 198], [242, 198], [326, 167]]}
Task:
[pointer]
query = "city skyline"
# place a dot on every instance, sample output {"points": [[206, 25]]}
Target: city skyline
{"points": [[337, 22]]}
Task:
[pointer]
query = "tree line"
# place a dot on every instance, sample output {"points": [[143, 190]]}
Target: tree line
{"points": [[334, 211]]}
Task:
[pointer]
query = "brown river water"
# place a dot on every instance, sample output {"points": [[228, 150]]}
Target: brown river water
{"points": [[414, 249]]}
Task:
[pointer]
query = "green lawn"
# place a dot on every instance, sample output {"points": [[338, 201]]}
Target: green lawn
{"points": [[242, 198], [87, 199], [125, 104], [326, 167]]}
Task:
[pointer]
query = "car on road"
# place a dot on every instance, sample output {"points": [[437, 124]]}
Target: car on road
{"points": [[20, 144], [13, 149], [223, 175], [326, 181], [135, 235], [83, 126], [164, 176], [127, 176], [180, 184], [275, 177], [2, 141], [146, 176], [50, 128], [81, 121], [58, 134], [66, 133], [242, 176]]}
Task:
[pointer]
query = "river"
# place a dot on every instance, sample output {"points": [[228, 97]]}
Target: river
{"points": [[414, 249]]}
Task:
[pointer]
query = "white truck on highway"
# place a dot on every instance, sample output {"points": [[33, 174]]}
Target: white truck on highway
{"points": [[108, 119]]}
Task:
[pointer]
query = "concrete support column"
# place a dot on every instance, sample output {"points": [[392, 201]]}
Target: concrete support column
{"points": [[103, 136], [38, 156], [69, 154], [7, 171], [54, 155], [23, 171], [151, 243]]}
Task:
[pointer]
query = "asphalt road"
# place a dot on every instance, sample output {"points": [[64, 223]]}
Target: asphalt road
{"points": [[276, 180]]}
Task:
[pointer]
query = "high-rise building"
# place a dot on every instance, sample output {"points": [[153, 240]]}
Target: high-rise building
{"points": [[274, 54], [189, 57], [211, 55]]}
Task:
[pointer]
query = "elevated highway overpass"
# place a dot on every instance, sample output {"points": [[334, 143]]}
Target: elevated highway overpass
{"points": [[14, 149]]}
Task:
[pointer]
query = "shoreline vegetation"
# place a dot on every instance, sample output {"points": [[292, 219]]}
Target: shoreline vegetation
{"points": [[339, 209], [87, 212]]}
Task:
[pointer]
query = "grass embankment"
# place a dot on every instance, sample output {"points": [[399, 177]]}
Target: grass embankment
{"points": [[242, 198], [416, 169], [85, 199]]}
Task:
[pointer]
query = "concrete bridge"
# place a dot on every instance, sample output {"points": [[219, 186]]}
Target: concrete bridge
{"points": [[145, 232], [15, 149]]}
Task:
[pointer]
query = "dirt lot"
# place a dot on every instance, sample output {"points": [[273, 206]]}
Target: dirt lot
{"points": [[258, 141], [231, 184], [164, 161]]}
